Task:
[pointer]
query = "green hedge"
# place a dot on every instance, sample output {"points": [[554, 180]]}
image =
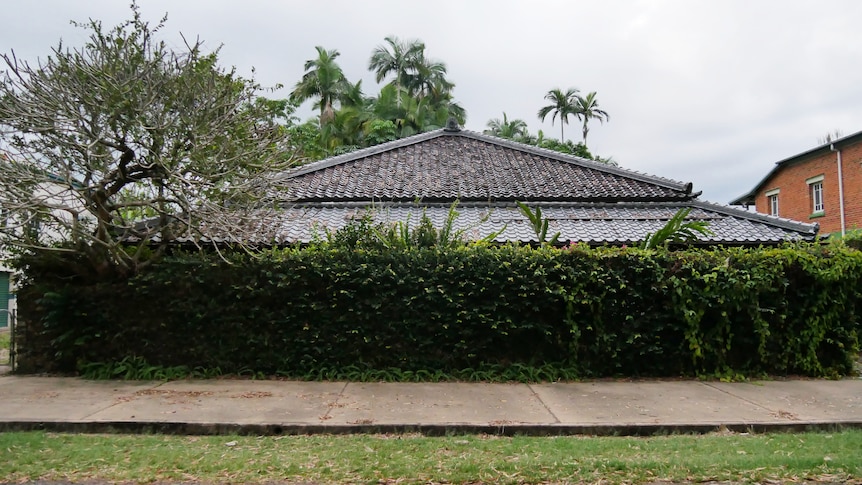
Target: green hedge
{"points": [[595, 312]]}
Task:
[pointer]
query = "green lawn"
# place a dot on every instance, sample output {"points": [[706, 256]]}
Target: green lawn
{"points": [[833, 457]]}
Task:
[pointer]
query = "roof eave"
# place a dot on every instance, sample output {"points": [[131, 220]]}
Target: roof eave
{"points": [[745, 199], [788, 224]]}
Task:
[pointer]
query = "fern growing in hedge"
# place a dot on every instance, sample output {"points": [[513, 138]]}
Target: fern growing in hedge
{"points": [[363, 232], [677, 231], [539, 224]]}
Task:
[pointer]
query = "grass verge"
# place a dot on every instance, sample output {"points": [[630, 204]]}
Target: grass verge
{"points": [[832, 457], [5, 343]]}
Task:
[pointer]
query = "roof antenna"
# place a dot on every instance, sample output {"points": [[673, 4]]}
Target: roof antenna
{"points": [[452, 125]]}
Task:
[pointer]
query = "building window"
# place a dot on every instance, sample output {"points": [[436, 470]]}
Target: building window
{"points": [[815, 189], [773, 205], [817, 197], [772, 202]]}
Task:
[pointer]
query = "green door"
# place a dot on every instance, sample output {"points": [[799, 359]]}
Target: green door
{"points": [[4, 299]]}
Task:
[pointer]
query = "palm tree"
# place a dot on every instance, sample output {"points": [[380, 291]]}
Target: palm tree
{"points": [[400, 58], [352, 95], [438, 94], [414, 115], [345, 130], [390, 106], [587, 108], [324, 80], [430, 77], [418, 98], [562, 105], [511, 129], [455, 110]]}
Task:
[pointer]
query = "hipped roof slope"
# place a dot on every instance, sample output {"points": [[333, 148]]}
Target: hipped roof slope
{"points": [[446, 165]]}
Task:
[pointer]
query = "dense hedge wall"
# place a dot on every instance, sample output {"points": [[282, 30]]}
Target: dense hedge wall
{"points": [[599, 312]]}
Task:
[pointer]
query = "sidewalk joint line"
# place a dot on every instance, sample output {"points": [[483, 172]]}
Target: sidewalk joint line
{"points": [[334, 405], [556, 419], [739, 397]]}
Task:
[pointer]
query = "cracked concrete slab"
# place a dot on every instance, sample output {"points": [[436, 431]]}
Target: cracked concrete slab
{"points": [[222, 406], [226, 401], [61, 399], [447, 403], [807, 400], [649, 402]]}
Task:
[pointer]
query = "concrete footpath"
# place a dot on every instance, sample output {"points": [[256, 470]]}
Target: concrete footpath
{"points": [[222, 406]]}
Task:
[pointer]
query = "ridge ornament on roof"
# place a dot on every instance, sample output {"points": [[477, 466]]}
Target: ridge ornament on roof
{"points": [[452, 125]]}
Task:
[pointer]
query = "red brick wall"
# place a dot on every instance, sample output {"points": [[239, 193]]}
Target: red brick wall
{"points": [[794, 198]]}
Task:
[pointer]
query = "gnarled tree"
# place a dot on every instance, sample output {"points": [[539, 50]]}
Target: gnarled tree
{"points": [[124, 143]]}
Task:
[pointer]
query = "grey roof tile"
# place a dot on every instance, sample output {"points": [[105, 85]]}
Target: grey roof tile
{"points": [[595, 223], [469, 166]]}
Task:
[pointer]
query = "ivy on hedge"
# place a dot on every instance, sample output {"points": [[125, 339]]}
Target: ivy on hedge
{"points": [[591, 311]]}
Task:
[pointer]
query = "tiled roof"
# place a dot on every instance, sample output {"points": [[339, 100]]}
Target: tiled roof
{"points": [[468, 166], [585, 201], [595, 223]]}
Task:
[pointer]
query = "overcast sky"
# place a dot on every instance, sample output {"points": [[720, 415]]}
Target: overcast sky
{"points": [[708, 92]]}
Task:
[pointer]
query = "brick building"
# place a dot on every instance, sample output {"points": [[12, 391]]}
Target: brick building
{"points": [[822, 185]]}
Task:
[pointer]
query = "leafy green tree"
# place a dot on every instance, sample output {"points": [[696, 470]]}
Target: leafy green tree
{"points": [[569, 147], [324, 81], [96, 138], [345, 129], [379, 131], [563, 105], [305, 142], [439, 96], [277, 111], [418, 98], [414, 76], [515, 129], [587, 108]]}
